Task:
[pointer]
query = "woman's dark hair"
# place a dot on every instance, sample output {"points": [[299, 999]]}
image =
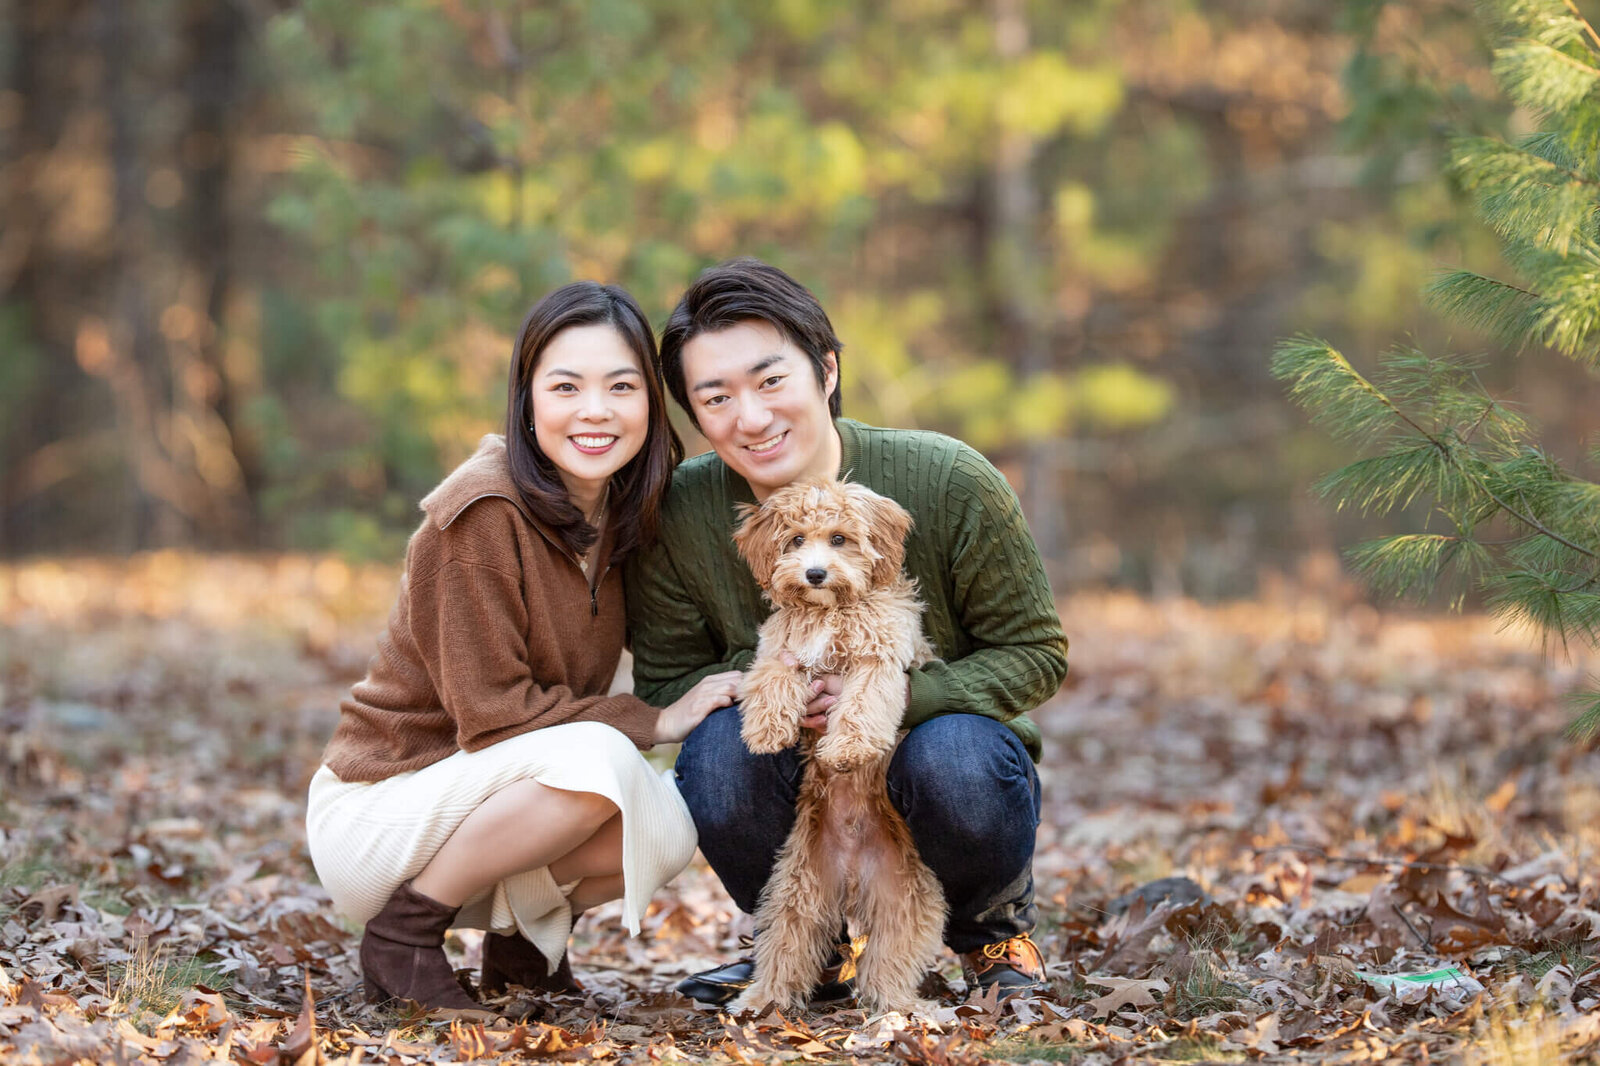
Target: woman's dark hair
{"points": [[636, 489], [737, 291]]}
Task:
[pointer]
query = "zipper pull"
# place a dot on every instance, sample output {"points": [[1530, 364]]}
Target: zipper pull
{"points": [[594, 604]]}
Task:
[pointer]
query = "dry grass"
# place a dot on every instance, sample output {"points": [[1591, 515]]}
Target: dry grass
{"points": [[152, 982], [1518, 1037]]}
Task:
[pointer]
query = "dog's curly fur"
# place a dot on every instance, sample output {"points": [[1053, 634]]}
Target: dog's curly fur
{"points": [[828, 555]]}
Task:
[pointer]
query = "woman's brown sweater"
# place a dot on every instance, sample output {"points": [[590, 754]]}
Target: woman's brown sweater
{"points": [[496, 632]]}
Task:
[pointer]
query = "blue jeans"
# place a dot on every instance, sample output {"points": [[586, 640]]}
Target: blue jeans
{"points": [[963, 783]]}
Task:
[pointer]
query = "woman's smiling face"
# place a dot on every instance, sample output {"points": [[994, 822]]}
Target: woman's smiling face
{"points": [[590, 410]]}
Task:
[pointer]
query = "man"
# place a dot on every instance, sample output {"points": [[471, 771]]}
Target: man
{"points": [[751, 356]]}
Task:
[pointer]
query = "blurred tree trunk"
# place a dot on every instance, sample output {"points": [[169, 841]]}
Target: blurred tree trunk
{"points": [[1018, 289], [214, 36], [51, 268], [122, 348], [160, 347]]}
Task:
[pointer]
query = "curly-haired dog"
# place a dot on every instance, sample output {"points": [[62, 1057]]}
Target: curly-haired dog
{"points": [[828, 556]]}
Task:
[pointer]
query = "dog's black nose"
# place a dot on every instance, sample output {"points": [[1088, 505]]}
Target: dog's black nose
{"points": [[816, 575]]}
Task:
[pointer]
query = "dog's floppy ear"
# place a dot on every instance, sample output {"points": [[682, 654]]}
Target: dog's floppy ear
{"points": [[757, 540], [887, 526]]}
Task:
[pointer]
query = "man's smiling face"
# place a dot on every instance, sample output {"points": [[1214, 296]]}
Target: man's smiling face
{"points": [[756, 397]]}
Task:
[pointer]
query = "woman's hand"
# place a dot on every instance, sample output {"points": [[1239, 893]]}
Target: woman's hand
{"points": [[710, 692]]}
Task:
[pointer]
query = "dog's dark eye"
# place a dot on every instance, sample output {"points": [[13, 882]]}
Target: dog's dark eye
{"points": [[796, 542], [837, 540]]}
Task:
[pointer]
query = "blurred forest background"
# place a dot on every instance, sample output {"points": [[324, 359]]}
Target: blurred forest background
{"points": [[261, 260]]}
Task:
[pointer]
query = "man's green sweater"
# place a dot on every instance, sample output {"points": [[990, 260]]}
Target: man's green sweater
{"points": [[694, 608]]}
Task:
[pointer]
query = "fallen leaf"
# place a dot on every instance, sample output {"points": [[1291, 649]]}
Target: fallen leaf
{"points": [[302, 1039], [1498, 800], [1125, 992]]}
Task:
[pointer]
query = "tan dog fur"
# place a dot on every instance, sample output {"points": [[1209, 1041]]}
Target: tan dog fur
{"points": [[850, 854]]}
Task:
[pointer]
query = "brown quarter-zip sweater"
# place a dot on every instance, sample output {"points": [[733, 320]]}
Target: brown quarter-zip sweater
{"points": [[496, 632]]}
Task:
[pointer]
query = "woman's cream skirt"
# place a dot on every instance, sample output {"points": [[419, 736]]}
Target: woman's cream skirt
{"points": [[366, 839]]}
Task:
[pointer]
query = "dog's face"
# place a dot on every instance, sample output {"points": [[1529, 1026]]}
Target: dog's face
{"points": [[823, 542]]}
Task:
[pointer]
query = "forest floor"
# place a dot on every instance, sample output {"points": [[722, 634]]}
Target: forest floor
{"points": [[1348, 792]]}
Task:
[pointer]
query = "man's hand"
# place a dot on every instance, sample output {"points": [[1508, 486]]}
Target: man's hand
{"points": [[825, 689]]}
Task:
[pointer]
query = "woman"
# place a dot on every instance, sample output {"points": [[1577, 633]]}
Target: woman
{"points": [[480, 776]]}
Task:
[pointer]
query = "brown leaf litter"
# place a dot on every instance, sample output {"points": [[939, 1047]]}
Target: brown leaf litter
{"points": [[1331, 790]]}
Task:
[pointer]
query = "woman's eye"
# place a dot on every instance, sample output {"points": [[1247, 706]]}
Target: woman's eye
{"points": [[715, 401], [565, 386], [837, 540], [773, 380], [624, 386], [796, 542]]}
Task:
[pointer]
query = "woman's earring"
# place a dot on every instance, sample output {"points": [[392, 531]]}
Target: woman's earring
{"points": [[530, 428]]}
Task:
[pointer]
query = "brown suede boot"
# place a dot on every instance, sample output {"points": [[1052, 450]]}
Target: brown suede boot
{"points": [[512, 960], [402, 953]]}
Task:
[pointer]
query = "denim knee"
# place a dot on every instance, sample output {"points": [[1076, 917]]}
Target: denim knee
{"points": [[969, 778], [713, 771]]}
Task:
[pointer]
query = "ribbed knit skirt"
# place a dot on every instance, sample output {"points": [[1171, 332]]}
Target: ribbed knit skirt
{"points": [[366, 839]]}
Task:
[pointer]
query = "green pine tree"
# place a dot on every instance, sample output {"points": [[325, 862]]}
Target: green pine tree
{"points": [[1504, 515]]}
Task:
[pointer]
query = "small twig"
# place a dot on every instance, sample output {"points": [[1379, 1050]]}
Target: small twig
{"points": [[1355, 860], [1424, 941], [1525, 519], [1488, 409], [1573, 7], [1583, 583]]}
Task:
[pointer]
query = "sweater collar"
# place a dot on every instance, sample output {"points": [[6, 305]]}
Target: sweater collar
{"points": [[486, 473], [739, 490], [849, 447]]}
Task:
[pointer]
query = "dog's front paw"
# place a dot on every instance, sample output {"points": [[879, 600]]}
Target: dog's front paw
{"points": [[763, 736], [843, 752], [768, 725]]}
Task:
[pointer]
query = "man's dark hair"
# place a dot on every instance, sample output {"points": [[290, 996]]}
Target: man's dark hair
{"points": [[637, 488], [738, 291]]}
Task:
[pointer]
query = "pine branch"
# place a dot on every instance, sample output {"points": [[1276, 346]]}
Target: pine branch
{"points": [[1542, 77], [1325, 382], [1332, 391], [1519, 192], [1437, 430], [1487, 304], [1570, 317], [1546, 602], [1587, 704], [1537, 526], [1382, 483], [1573, 146], [1412, 562]]}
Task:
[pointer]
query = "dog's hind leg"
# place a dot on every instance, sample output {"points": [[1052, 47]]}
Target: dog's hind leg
{"points": [[797, 920], [904, 916]]}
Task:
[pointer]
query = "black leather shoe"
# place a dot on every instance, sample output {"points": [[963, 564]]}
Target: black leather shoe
{"points": [[721, 986]]}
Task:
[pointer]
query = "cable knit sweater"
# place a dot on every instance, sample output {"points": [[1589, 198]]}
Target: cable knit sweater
{"points": [[496, 632], [695, 608]]}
